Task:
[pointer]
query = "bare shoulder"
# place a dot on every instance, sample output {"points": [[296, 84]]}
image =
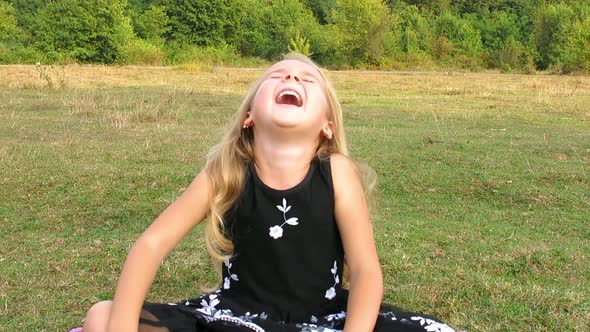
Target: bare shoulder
{"points": [[347, 183], [344, 170]]}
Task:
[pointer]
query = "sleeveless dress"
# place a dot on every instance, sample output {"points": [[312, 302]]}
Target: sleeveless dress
{"points": [[286, 270]]}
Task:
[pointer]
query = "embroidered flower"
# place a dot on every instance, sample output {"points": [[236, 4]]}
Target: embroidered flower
{"points": [[209, 307], [337, 316], [227, 280], [431, 325], [331, 292], [277, 231]]}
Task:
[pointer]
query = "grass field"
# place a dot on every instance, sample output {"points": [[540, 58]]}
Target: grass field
{"points": [[483, 216]]}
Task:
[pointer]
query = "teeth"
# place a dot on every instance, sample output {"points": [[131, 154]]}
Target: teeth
{"points": [[291, 93]]}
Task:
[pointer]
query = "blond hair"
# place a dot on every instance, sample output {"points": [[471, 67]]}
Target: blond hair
{"points": [[227, 162]]}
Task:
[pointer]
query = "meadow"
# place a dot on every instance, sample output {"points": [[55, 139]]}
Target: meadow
{"points": [[482, 217]]}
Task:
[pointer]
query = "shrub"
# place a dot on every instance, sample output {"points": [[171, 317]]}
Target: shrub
{"points": [[142, 52], [270, 26], [575, 51], [9, 31], [551, 26], [359, 28], [152, 25], [85, 30], [413, 32]]}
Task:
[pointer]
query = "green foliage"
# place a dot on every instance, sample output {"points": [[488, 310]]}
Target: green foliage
{"points": [[223, 54], [152, 24], [16, 53], [142, 52], [198, 22], [521, 35], [414, 33], [300, 45], [321, 9], [359, 28], [12, 38], [460, 32], [84, 30], [550, 28], [26, 11], [9, 31], [270, 25], [575, 51], [501, 38]]}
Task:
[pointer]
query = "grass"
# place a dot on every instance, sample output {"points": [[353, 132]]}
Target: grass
{"points": [[483, 216]]}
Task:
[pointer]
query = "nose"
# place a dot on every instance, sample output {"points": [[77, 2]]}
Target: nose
{"points": [[292, 77]]}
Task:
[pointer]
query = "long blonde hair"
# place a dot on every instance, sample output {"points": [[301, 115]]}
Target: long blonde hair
{"points": [[227, 162]]}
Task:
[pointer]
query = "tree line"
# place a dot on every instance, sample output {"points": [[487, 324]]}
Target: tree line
{"points": [[510, 35]]}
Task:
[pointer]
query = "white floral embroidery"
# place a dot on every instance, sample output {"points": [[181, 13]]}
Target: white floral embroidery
{"points": [[431, 325], [305, 327], [331, 292], [211, 313], [227, 281], [277, 231], [388, 314], [208, 308], [337, 316]]}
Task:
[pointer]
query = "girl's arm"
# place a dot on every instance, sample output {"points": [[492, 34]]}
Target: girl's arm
{"points": [[151, 248], [352, 216]]}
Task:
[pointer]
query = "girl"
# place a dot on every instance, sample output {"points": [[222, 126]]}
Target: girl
{"points": [[286, 213]]}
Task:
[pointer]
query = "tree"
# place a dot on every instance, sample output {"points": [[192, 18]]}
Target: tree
{"points": [[152, 24], [85, 30], [460, 33], [550, 32], [270, 26], [200, 22], [26, 11], [359, 27], [9, 30], [321, 9], [415, 35]]}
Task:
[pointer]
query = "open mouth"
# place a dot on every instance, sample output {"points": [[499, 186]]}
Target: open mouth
{"points": [[289, 97]]}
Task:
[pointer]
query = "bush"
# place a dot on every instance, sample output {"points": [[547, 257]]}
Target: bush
{"points": [[414, 36], [16, 53], [152, 25], [85, 30], [551, 26], [269, 27], [463, 42], [223, 54], [9, 31], [360, 28], [575, 51], [142, 52], [202, 22]]}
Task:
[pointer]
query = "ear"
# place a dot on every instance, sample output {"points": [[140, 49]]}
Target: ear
{"points": [[328, 130], [248, 122]]}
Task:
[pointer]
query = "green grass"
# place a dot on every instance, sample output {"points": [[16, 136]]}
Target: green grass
{"points": [[483, 213]]}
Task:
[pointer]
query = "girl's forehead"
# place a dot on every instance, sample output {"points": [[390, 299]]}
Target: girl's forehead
{"points": [[295, 65]]}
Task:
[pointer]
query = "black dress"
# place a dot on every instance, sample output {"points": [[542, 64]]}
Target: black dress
{"points": [[286, 271]]}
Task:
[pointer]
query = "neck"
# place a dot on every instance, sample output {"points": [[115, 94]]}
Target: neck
{"points": [[282, 164]]}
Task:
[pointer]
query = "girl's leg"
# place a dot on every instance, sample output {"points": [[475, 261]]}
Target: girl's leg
{"points": [[98, 316]]}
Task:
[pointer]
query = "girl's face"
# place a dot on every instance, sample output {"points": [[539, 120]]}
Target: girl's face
{"points": [[291, 95]]}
